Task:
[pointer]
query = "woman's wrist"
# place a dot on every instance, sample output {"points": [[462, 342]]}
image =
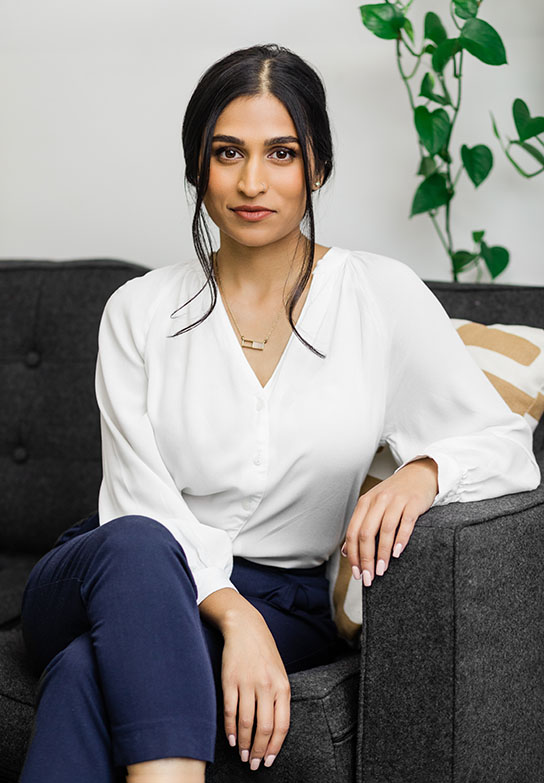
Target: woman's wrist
{"points": [[226, 608], [429, 466]]}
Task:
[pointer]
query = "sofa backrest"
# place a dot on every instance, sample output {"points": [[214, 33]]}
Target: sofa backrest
{"points": [[49, 424]]}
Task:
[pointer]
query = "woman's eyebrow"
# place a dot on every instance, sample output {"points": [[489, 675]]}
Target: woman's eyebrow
{"points": [[267, 143]]}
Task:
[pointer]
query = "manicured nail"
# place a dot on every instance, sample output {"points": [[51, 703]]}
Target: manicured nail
{"points": [[255, 763], [245, 755], [232, 740], [356, 572], [397, 550], [380, 568], [367, 578], [268, 760]]}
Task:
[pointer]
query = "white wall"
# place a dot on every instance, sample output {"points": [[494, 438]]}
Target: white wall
{"points": [[93, 96]]}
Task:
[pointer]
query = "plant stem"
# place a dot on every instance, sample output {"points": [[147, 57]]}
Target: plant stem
{"points": [[461, 167], [452, 14], [448, 163], [440, 234], [410, 96]]}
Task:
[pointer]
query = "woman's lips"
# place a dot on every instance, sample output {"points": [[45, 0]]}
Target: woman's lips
{"points": [[253, 216]]}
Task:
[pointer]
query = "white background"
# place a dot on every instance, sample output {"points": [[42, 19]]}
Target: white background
{"points": [[93, 96]]}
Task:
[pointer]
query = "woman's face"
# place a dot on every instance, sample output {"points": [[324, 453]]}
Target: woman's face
{"points": [[248, 169]]}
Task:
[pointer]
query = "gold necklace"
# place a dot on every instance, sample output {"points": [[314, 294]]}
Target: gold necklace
{"points": [[245, 342]]}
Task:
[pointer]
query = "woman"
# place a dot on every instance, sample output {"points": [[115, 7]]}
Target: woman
{"points": [[234, 446]]}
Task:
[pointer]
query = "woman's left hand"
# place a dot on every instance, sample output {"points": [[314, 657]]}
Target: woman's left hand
{"points": [[401, 497]]}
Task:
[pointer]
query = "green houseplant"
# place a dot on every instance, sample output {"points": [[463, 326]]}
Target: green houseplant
{"points": [[440, 90]]}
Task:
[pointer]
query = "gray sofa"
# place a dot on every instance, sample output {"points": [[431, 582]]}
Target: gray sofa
{"points": [[447, 681]]}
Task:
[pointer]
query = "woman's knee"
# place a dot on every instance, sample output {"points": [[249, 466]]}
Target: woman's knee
{"points": [[133, 540], [137, 532]]}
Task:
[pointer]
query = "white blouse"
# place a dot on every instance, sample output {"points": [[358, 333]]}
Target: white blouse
{"points": [[192, 439]]}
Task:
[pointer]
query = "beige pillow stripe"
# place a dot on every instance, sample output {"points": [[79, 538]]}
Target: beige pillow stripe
{"points": [[516, 398], [515, 347]]}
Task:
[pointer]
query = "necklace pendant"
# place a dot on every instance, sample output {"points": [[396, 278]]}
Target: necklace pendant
{"points": [[247, 343]]}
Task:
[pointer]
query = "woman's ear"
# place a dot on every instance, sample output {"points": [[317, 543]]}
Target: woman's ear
{"points": [[317, 178]]}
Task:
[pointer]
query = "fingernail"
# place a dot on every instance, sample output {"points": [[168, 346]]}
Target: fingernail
{"points": [[356, 572], [232, 740], [245, 755], [367, 579], [397, 550], [380, 568], [268, 760], [255, 763]]}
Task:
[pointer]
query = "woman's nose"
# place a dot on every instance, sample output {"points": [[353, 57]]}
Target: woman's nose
{"points": [[252, 178]]}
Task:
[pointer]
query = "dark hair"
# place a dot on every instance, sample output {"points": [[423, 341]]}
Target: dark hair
{"points": [[256, 70]]}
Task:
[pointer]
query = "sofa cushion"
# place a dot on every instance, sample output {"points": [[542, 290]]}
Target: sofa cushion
{"points": [[17, 699], [323, 705]]}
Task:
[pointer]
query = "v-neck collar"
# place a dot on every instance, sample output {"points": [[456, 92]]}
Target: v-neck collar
{"points": [[233, 344]]}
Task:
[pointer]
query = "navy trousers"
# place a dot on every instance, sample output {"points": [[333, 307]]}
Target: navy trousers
{"points": [[129, 671]]}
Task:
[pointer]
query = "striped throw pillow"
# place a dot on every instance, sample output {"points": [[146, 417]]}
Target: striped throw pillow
{"points": [[512, 358]]}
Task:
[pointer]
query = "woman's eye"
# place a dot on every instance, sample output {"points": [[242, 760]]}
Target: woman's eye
{"points": [[286, 153], [225, 149]]}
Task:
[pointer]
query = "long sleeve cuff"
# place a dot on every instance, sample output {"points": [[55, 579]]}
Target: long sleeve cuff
{"points": [[208, 580], [450, 476]]}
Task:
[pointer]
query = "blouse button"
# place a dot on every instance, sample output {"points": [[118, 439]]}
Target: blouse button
{"points": [[246, 504]]}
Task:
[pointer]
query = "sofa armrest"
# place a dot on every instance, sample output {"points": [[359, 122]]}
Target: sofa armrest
{"points": [[452, 648]]}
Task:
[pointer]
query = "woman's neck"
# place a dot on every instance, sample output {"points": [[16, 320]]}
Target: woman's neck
{"points": [[258, 273]]}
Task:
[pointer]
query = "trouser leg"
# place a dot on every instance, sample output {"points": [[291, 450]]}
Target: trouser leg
{"points": [[73, 721], [127, 583]]}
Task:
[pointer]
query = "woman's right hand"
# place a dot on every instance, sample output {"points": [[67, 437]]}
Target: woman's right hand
{"points": [[256, 688]]}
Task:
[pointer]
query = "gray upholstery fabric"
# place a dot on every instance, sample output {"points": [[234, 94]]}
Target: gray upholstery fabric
{"points": [[452, 659], [448, 682], [50, 442]]}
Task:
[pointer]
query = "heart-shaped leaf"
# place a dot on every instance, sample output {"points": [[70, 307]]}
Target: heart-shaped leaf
{"points": [[427, 167], [477, 236], [433, 128], [382, 19], [432, 193], [409, 29], [526, 126], [478, 162], [465, 9], [444, 52], [434, 30], [496, 259], [426, 91], [462, 258], [483, 42]]}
